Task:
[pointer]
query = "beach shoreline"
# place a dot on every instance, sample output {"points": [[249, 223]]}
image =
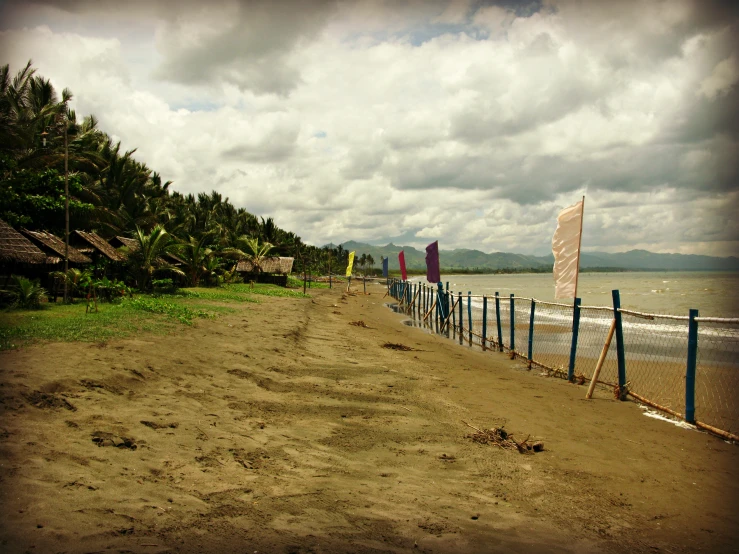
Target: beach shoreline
{"points": [[288, 426]]}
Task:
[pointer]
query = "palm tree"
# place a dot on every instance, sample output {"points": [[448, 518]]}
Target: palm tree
{"points": [[146, 256], [250, 249], [194, 253], [211, 265]]}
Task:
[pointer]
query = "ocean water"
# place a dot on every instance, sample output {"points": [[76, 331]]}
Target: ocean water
{"points": [[714, 294]]}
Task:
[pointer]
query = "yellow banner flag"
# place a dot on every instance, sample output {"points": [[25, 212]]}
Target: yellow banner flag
{"points": [[351, 263]]}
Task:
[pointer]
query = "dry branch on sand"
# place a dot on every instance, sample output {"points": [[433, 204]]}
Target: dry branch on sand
{"points": [[396, 346], [502, 438], [359, 323]]}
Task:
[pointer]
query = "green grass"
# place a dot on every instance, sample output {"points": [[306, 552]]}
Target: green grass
{"points": [[71, 323], [142, 314], [169, 307], [219, 294], [266, 290], [67, 323], [295, 283]]}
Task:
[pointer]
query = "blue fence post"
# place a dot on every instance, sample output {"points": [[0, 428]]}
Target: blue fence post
{"points": [[469, 313], [531, 331], [690, 372], [497, 319], [461, 319], [575, 334], [454, 314], [440, 301], [619, 345], [484, 322], [513, 327]]}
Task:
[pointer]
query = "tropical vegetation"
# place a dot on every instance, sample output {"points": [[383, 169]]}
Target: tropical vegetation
{"points": [[114, 194]]}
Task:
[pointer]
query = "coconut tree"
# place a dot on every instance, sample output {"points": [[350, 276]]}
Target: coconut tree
{"points": [[251, 249], [195, 252], [146, 256], [211, 265]]}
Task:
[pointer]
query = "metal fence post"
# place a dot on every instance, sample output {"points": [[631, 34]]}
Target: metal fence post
{"points": [[469, 313], [575, 334], [531, 332], [690, 371], [461, 320], [497, 319], [513, 327], [619, 345], [484, 322]]}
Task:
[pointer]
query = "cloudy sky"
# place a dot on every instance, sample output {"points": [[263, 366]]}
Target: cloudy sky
{"points": [[469, 122]]}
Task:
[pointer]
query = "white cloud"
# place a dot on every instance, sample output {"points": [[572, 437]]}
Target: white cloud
{"points": [[366, 120]]}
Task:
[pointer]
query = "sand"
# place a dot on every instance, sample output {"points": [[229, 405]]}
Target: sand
{"points": [[284, 428]]}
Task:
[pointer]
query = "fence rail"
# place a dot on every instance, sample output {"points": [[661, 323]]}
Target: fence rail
{"points": [[686, 366]]}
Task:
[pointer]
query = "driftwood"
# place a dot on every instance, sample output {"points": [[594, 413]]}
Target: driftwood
{"points": [[396, 346], [500, 437]]}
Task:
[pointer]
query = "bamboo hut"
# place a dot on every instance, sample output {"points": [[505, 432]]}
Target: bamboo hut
{"points": [[54, 248], [18, 255], [274, 270], [95, 246], [17, 249]]}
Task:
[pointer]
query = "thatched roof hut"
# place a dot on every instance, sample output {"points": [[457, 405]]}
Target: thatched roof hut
{"points": [[269, 265], [53, 245], [99, 244], [14, 247], [119, 241]]}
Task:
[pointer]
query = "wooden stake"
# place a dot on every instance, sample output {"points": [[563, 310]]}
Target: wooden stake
{"points": [[602, 359], [430, 310], [451, 311]]}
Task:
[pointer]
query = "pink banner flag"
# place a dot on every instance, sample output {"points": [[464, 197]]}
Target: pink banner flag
{"points": [[401, 259], [566, 250], [432, 263]]}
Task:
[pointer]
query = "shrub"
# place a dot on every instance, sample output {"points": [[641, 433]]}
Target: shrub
{"points": [[25, 293], [164, 286]]}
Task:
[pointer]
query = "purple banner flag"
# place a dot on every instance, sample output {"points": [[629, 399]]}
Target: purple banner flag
{"points": [[432, 263]]}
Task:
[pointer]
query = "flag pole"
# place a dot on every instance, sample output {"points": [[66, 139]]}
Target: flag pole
{"points": [[579, 244]]}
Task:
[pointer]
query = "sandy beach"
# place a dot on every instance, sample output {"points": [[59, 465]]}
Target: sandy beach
{"points": [[284, 427]]}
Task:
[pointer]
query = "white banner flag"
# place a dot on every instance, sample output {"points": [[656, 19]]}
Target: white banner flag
{"points": [[565, 247]]}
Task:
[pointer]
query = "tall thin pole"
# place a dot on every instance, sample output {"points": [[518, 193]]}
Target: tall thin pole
{"points": [[66, 210], [579, 244]]}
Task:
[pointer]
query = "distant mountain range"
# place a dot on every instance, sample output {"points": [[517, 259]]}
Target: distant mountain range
{"points": [[475, 259]]}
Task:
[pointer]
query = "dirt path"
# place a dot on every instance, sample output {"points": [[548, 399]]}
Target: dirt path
{"points": [[283, 428]]}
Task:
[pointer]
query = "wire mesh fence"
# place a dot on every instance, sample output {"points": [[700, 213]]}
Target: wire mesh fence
{"points": [[595, 323], [656, 352], [686, 366], [717, 374]]}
